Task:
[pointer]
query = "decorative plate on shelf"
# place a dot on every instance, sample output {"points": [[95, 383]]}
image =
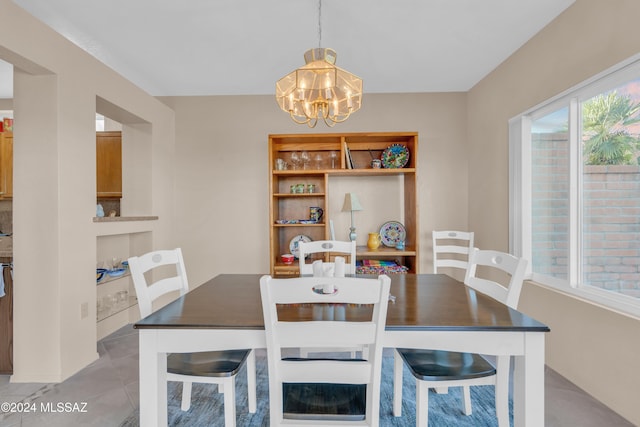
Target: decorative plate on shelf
{"points": [[293, 244], [395, 156], [116, 272], [391, 233], [100, 272]]}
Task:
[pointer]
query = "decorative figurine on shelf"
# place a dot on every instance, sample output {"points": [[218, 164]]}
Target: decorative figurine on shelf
{"points": [[374, 241], [400, 245], [99, 211]]}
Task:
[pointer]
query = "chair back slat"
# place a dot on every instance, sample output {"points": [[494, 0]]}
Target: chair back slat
{"points": [[349, 290], [455, 263], [452, 249], [323, 371], [164, 286], [326, 333]]}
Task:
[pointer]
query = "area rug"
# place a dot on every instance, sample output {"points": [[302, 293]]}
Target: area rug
{"points": [[444, 409]]}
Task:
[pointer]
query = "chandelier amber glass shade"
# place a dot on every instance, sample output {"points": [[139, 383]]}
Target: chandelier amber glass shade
{"points": [[319, 90]]}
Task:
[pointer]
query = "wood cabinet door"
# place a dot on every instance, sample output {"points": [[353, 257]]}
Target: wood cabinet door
{"points": [[6, 324], [6, 165], [109, 164]]}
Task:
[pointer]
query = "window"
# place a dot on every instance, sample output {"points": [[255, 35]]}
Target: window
{"points": [[575, 189], [550, 194]]}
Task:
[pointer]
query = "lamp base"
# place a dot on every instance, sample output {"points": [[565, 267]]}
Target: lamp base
{"points": [[352, 234]]}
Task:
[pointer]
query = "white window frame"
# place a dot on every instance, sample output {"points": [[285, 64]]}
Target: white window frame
{"points": [[520, 220]]}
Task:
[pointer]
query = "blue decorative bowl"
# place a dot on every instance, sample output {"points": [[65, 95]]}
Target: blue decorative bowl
{"points": [[100, 274], [116, 272]]}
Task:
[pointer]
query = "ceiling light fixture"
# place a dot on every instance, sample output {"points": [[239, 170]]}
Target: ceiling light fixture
{"points": [[319, 89]]}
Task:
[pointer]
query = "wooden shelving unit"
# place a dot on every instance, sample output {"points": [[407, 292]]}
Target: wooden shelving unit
{"points": [[287, 205]]}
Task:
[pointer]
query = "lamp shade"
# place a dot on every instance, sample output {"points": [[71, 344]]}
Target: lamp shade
{"points": [[351, 203]]}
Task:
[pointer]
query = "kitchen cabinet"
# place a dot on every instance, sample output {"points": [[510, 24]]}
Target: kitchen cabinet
{"points": [[6, 165], [109, 164], [347, 156], [6, 320]]}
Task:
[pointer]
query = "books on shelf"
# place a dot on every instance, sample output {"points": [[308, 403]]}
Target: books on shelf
{"points": [[347, 156], [375, 266]]}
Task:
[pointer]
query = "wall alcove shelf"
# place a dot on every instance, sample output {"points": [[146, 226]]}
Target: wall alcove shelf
{"points": [[110, 304], [108, 278], [335, 155], [117, 239], [124, 218]]}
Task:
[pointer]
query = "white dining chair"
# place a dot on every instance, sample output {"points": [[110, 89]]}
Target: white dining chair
{"points": [[211, 367], [437, 368], [451, 249], [324, 391], [328, 247]]}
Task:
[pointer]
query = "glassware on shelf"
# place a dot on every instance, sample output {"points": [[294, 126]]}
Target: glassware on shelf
{"points": [[318, 160], [122, 296], [295, 159], [333, 156], [108, 301], [306, 159], [280, 164]]}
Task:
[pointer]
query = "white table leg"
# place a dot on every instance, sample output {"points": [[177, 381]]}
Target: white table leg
{"points": [[251, 381], [153, 381], [528, 384], [398, 364]]}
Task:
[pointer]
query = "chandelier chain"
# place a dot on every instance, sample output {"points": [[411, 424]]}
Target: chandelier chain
{"points": [[319, 23]]}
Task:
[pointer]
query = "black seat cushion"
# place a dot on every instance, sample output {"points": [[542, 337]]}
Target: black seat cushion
{"points": [[438, 365], [324, 401], [207, 363]]}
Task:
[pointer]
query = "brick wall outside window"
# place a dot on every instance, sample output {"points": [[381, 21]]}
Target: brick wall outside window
{"points": [[611, 218]]}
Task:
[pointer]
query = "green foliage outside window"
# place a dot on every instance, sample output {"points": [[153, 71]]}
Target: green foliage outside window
{"points": [[605, 122]]}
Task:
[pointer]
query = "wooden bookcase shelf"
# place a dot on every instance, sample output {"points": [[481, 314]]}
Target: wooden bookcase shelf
{"points": [[288, 204]]}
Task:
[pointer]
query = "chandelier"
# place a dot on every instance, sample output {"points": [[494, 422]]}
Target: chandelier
{"points": [[319, 89]]}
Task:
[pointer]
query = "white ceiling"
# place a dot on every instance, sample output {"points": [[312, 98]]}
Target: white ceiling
{"points": [[233, 47]]}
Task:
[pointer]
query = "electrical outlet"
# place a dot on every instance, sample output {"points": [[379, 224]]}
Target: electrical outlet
{"points": [[84, 310]]}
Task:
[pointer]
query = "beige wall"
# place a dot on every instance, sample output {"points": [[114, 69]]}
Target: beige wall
{"points": [[56, 86], [594, 348], [222, 173]]}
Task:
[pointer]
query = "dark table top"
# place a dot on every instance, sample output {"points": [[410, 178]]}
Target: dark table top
{"points": [[422, 302]]}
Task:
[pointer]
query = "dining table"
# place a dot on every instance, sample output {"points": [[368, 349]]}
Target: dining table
{"points": [[431, 311]]}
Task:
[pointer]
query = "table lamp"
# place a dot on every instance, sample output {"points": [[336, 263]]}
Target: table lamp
{"points": [[351, 204]]}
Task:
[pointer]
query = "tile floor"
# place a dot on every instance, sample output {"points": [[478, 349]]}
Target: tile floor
{"points": [[109, 386]]}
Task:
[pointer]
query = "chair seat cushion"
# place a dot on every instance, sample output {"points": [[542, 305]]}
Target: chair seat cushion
{"points": [[438, 365], [207, 363], [324, 401]]}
